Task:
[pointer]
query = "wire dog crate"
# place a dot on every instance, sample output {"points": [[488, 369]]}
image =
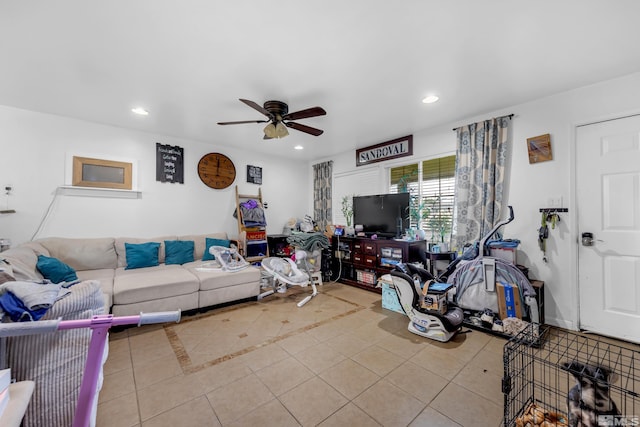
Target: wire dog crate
{"points": [[540, 380]]}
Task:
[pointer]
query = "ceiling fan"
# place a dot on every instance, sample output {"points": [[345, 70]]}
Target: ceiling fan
{"points": [[279, 118]]}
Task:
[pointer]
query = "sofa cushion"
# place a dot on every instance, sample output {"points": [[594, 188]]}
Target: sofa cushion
{"points": [[55, 270], [147, 284], [23, 260], [6, 272], [215, 279], [140, 255], [199, 242], [208, 256], [83, 254], [178, 251], [122, 253]]}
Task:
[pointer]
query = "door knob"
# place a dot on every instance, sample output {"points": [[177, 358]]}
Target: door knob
{"points": [[587, 239]]}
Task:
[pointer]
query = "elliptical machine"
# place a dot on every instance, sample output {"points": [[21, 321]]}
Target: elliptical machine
{"points": [[408, 281]]}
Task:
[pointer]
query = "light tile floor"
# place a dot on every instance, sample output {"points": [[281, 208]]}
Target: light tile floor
{"points": [[340, 360]]}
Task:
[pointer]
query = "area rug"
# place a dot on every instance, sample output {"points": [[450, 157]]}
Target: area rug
{"points": [[210, 338]]}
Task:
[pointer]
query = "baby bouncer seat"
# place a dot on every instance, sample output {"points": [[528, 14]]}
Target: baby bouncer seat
{"points": [[408, 280], [228, 259], [285, 272]]}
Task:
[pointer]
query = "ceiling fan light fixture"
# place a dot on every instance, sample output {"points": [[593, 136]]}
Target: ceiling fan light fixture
{"points": [[281, 130], [279, 119], [270, 131]]}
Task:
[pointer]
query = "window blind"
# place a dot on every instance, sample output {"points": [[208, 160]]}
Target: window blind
{"points": [[431, 184], [437, 192]]}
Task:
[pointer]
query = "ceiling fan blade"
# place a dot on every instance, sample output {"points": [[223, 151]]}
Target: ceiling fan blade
{"points": [[304, 128], [243, 121], [303, 114], [256, 107]]}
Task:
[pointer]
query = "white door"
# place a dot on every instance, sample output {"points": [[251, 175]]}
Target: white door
{"points": [[608, 203]]}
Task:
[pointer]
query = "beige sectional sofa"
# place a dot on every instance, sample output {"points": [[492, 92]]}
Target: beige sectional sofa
{"points": [[131, 291], [106, 285]]}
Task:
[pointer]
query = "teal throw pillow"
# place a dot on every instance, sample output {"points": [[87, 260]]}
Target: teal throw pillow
{"points": [[178, 251], [214, 242], [140, 255], [55, 270]]}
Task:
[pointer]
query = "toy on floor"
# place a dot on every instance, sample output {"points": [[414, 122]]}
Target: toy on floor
{"points": [[285, 272], [439, 325], [99, 326]]}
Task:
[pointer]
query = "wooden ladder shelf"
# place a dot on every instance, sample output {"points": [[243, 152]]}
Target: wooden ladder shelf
{"points": [[253, 238]]}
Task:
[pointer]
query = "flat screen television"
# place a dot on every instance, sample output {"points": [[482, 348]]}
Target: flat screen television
{"points": [[386, 215]]}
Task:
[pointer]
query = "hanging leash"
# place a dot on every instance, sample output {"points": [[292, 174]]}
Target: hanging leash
{"points": [[543, 234], [543, 231]]}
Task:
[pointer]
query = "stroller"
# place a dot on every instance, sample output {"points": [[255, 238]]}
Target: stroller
{"points": [[473, 278]]}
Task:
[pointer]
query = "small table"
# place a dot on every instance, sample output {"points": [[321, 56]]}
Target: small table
{"points": [[439, 256]]}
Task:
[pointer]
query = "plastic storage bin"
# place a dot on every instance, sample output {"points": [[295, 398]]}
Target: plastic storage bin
{"points": [[505, 250]]}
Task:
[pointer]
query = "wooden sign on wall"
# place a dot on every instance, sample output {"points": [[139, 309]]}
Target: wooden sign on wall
{"points": [[539, 148], [393, 149], [254, 174], [169, 163]]}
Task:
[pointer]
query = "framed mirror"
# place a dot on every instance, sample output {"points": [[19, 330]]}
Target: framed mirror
{"points": [[88, 172]]}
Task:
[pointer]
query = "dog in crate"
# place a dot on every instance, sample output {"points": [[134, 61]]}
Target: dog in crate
{"points": [[590, 396]]}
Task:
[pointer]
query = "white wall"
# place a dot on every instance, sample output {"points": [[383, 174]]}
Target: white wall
{"points": [[531, 185], [34, 153]]}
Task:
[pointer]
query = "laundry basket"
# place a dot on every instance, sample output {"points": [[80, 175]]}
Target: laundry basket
{"points": [[539, 373]]}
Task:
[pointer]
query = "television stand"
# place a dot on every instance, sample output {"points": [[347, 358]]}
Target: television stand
{"points": [[380, 236], [361, 261]]}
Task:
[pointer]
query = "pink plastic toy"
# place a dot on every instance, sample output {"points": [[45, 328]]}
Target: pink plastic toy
{"points": [[99, 326]]}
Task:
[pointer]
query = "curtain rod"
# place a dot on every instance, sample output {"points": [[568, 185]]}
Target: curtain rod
{"points": [[508, 115]]}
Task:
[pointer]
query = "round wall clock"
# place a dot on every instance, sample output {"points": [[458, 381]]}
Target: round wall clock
{"points": [[216, 170]]}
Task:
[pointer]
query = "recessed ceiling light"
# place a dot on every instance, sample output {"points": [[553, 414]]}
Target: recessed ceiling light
{"points": [[430, 99], [299, 147], [140, 110]]}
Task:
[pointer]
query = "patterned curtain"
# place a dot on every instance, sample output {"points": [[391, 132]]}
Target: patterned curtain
{"points": [[480, 165], [322, 178]]}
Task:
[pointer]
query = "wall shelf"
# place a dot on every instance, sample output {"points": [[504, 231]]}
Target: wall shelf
{"points": [[98, 192]]}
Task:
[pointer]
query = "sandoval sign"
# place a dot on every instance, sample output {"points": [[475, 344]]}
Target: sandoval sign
{"points": [[400, 147]]}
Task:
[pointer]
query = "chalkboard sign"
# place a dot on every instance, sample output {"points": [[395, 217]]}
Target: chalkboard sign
{"points": [[254, 174], [169, 163]]}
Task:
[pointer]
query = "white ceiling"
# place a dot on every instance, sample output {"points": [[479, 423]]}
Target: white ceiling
{"points": [[368, 63]]}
